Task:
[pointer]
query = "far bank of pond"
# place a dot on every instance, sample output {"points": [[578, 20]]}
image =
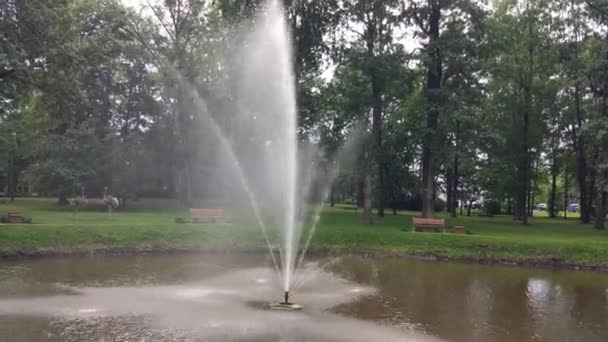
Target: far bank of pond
{"points": [[545, 242], [313, 252]]}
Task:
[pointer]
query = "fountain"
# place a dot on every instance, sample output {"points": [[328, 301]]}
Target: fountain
{"points": [[265, 144], [256, 128], [262, 142]]}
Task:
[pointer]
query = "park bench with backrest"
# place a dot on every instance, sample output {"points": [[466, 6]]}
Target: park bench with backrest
{"points": [[14, 217], [419, 223], [206, 215]]}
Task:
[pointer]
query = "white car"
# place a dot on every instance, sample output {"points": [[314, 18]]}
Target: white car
{"points": [[573, 208], [541, 206]]}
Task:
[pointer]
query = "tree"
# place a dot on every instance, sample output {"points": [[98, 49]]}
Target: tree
{"points": [[183, 22], [451, 31], [524, 64], [85, 77], [595, 58], [572, 36], [598, 129], [428, 20], [377, 55], [555, 126]]}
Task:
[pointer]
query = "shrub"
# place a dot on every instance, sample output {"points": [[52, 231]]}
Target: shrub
{"points": [[491, 207], [181, 220], [439, 205]]}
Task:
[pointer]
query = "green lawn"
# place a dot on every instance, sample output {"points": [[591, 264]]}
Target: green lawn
{"points": [[147, 227], [492, 238], [60, 230]]}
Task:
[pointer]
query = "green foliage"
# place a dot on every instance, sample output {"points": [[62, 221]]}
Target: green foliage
{"points": [[94, 95], [63, 164], [491, 207]]}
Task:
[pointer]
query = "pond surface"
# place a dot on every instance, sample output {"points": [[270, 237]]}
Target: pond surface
{"points": [[211, 297]]}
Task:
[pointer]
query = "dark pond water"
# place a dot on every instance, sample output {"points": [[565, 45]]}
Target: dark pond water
{"points": [[221, 298]]}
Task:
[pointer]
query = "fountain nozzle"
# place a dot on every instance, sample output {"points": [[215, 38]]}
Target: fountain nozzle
{"points": [[285, 305]]}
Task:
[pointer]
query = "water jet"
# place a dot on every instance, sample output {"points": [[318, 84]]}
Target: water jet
{"points": [[285, 305], [263, 152]]}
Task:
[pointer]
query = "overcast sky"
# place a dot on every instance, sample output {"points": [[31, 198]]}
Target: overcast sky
{"points": [[133, 3]]}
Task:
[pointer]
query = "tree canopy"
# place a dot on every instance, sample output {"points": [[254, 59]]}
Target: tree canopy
{"points": [[451, 103]]}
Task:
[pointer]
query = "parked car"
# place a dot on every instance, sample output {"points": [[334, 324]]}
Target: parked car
{"points": [[541, 206], [573, 208]]}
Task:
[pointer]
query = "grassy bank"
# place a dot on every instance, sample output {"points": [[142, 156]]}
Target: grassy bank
{"points": [[146, 227]]}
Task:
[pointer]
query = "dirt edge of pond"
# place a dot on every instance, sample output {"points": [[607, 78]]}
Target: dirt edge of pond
{"points": [[103, 251]]}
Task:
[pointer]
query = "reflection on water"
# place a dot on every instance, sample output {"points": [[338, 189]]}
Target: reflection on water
{"points": [[208, 297], [460, 302]]}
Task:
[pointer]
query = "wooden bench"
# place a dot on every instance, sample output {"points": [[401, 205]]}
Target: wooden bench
{"points": [[13, 218], [419, 223], [206, 215], [458, 229]]}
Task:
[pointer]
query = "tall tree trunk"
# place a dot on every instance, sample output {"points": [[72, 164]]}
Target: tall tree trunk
{"points": [[11, 176], [531, 196], [525, 178], [332, 195], [526, 82], [589, 198], [592, 182], [360, 191], [371, 38], [600, 206], [469, 207], [179, 145], [517, 207], [361, 161], [394, 200], [554, 169], [455, 172], [377, 134], [367, 187], [521, 212], [521, 195], [582, 172], [600, 197], [601, 181], [566, 188], [433, 88], [448, 191], [188, 196], [367, 199], [525, 158]]}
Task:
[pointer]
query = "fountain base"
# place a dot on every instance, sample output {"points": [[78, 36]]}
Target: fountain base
{"points": [[284, 306]]}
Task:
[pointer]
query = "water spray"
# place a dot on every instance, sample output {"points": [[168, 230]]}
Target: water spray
{"points": [[273, 24]]}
